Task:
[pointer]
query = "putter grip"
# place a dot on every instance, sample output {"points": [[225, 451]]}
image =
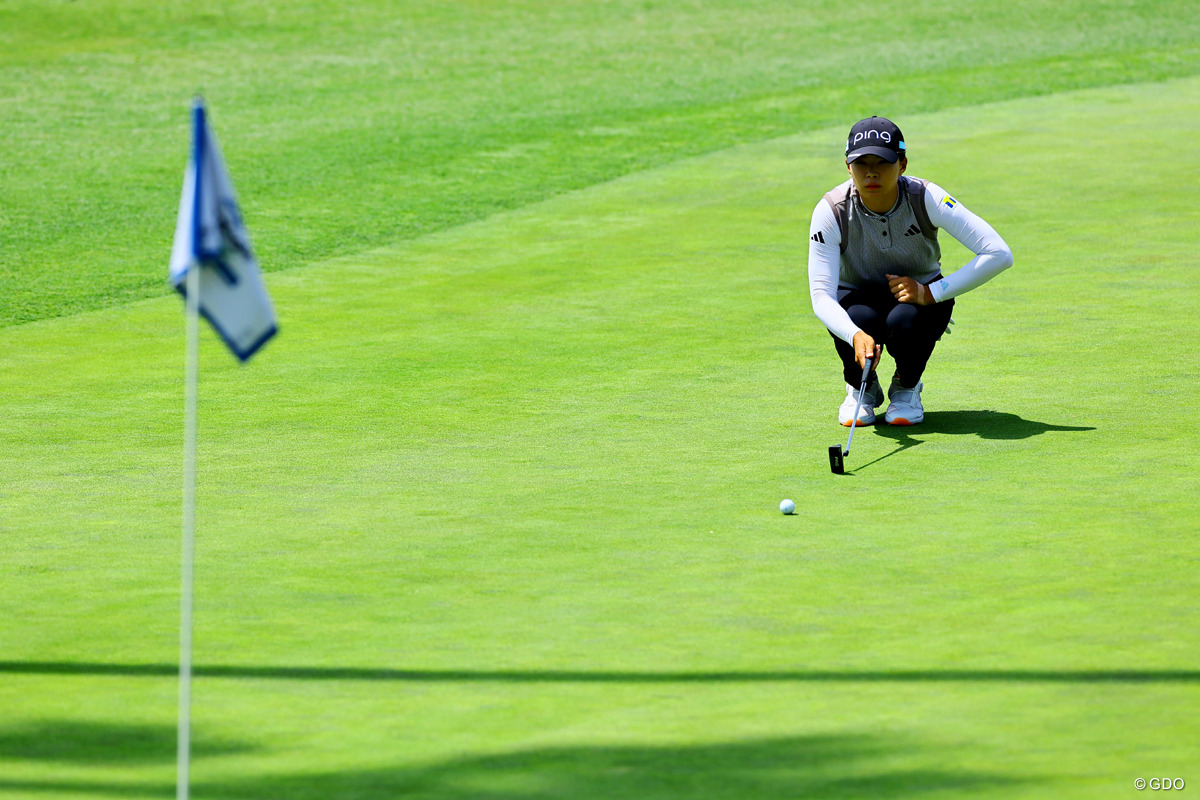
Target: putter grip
{"points": [[866, 371]]}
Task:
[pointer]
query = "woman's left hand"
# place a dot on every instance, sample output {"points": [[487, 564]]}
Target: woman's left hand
{"points": [[907, 290]]}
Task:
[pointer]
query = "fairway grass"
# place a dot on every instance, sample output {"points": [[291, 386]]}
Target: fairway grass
{"points": [[496, 513], [354, 124]]}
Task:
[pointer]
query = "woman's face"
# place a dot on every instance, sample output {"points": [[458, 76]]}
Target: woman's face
{"points": [[875, 178]]}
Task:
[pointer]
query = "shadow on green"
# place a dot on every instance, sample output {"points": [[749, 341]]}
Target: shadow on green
{"points": [[71, 741], [785, 767], [984, 424], [599, 676], [812, 766], [996, 425]]}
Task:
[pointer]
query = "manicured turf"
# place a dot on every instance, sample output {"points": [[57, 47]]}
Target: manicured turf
{"points": [[496, 514], [352, 125]]}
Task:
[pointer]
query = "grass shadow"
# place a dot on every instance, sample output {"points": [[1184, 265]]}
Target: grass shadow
{"points": [[984, 424], [995, 425], [906, 442], [290, 673], [809, 766], [79, 742]]}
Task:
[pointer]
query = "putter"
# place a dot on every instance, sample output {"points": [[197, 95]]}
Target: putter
{"points": [[836, 453]]}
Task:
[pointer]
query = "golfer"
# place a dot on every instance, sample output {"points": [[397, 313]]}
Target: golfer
{"points": [[874, 269]]}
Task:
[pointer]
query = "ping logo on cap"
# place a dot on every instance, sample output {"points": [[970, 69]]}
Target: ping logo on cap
{"points": [[875, 136], [866, 136]]}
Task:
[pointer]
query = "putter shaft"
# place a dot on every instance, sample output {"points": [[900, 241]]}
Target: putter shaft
{"points": [[836, 453]]}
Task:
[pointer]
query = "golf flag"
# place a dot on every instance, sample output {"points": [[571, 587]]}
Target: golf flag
{"points": [[210, 237]]}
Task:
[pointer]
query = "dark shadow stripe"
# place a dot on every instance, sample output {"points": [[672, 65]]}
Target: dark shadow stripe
{"points": [[607, 676]]}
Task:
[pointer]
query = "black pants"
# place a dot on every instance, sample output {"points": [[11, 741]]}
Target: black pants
{"points": [[907, 331]]}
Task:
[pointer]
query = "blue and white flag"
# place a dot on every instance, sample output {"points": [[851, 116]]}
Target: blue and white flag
{"points": [[210, 237]]}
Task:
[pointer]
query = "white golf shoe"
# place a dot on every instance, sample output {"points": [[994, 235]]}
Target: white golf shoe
{"points": [[873, 399], [905, 407]]}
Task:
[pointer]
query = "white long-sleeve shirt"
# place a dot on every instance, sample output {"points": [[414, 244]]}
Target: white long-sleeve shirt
{"points": [[992, 256]]}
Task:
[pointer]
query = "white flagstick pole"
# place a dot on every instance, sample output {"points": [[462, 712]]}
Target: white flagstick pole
{"points": [[189, 528]]}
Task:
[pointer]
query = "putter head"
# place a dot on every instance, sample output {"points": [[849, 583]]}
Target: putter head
{"points": [[835, 460]]}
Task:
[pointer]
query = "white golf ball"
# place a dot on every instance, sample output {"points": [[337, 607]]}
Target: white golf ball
{"points": [[787, 507]]}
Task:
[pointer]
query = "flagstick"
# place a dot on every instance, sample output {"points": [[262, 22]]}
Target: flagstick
{"points": [[189, 529]]}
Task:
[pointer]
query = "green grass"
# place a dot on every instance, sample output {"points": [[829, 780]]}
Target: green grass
{"points": [[356, 125], [496, 514]]}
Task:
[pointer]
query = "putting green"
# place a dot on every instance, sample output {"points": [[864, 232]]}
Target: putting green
{"points": [[516, 471]]}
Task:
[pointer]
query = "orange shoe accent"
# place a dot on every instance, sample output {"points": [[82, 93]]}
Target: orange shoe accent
{"points": [[900, 421], [861, 424]]}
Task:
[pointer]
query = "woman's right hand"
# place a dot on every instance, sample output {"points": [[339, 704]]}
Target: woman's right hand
{"points": [[864, 348]]}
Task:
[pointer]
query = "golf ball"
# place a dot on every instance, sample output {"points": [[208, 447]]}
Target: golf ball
{"points": [[787, 507]]}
